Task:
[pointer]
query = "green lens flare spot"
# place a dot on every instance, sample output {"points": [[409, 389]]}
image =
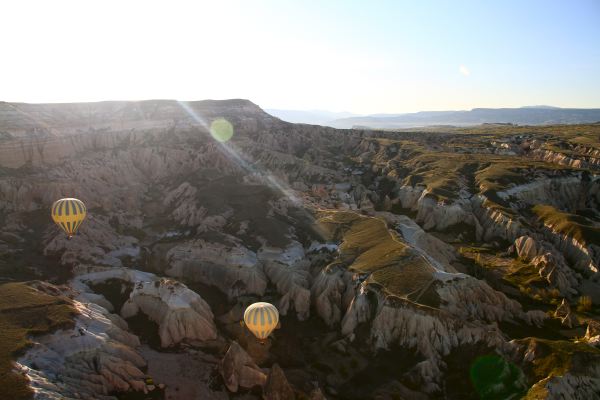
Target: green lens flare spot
{"points": [[221, 130], [494, 378]]}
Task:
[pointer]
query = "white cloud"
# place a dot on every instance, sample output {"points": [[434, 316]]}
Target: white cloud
{"points": [[464, 70]]}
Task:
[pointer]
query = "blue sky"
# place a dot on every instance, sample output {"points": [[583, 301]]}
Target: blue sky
{"points": [[362, 56]]}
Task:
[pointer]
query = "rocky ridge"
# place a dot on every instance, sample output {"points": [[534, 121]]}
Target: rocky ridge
{"points": [[280, 213]]}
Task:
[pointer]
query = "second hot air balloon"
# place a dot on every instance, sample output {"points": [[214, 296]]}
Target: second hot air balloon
{"points": [[261, 319], [68, 214]]}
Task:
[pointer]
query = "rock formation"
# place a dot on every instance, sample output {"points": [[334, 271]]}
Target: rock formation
{"points": [[360, 235], [592, 333], [94, 359], [239, 371], [181, 314], [566, 316], [277, 387]]}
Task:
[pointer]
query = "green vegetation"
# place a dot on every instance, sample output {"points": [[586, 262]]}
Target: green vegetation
{"points": [[555, 356], [445, 171], [523, 276], [447, 159], [514, 272], [25, 311], [575, 226]]}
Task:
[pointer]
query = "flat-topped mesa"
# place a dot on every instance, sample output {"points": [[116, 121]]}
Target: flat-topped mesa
{"points": [[20, 120], [39, 134]]}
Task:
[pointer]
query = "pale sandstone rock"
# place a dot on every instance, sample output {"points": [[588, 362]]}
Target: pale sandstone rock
{"points": [[592, 333], [439, 252], [288, 270], [180, 313], [231, 267], [96, 242], [93, 359], [239, 370], [567, 318]]}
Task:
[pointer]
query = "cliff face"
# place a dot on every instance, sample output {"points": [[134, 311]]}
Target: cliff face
{"points": [[428, 243]]}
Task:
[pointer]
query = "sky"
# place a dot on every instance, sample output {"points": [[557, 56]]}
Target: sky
{"points": [[357, 56]]}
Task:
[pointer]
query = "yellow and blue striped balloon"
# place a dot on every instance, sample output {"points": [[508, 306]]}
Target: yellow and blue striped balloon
{"points": [[261, 319], [68, 214]]}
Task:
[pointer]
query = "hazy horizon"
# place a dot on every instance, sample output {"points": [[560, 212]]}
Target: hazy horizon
{"points": [[339, 56]]}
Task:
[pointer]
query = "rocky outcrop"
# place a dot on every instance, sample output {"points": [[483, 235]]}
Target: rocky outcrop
{"points": [[229, 266], [574, 373], [568, 386], [550, 263], [277, 386], [592, 333], [431, 213], [492, 223], [93, 360], [96, 242], [236, 270], [567, 318], [438, 252], [467, 298], [332, 292], [432, 333], [239, 371], [162, 194], [181, 314], [576, 161], [568, 193], [288, 270], [429, 332]]}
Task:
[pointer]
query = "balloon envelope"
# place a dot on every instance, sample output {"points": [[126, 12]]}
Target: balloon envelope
{"points": [[261, 319], [69, 214]]}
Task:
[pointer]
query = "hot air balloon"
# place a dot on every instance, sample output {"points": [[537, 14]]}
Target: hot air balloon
{"points": [[69, 214], [261, 319]]}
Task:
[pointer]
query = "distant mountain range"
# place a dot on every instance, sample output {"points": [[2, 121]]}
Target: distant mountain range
{"points": [[529, 115], [315, 117]]}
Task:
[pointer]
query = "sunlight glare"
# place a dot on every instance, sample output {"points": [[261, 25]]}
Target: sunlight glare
{"points": [[221, 130]]}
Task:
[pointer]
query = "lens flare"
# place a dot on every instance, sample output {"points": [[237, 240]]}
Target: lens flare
{"points": [[221, 130], [235, 154], [495, 378]]}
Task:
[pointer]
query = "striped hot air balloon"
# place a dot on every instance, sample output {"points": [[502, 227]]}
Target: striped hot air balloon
{"points": [[68, 214], [261, 319]]}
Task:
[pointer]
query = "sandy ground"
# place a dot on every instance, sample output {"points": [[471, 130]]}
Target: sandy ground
{"points": [[186, 375]]}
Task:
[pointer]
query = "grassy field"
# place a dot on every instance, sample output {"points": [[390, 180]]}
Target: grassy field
{"points": [[534, 289], [25, 311], [572, 225], [368, 247], [456, 165], [446, 159]]}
